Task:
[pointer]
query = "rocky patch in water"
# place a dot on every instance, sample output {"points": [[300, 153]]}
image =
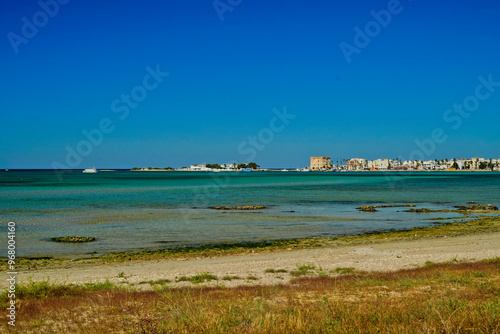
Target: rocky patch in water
{"points": [[477, 207], [422, 210], [248, 207], [464, 209], [373, 208], [73, 239]]}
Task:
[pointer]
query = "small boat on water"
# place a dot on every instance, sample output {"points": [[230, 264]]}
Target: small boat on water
{"points": [[246, 170], [90, 170], [305, 169], [284, 170]]}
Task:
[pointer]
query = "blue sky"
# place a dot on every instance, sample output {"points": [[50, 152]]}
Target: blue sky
{"points": [[227, 76]]}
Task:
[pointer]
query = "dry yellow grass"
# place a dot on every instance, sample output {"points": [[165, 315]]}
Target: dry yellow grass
{"points": [[441, 298]]}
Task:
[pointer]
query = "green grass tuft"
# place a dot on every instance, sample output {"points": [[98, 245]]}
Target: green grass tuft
{"points": [[344, 270], [198, 278], [274, 271], [428, 264], [303, 270]]}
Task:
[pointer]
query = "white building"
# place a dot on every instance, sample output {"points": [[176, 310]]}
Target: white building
{"points": [[201, 167], [475, 162], [429, 165], [380, 164], [356, 164], [228, 166]]}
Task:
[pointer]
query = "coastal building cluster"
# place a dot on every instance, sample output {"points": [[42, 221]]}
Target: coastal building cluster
{"points": [[360, 164], [325, 163], [205, 167], [209, 167]]}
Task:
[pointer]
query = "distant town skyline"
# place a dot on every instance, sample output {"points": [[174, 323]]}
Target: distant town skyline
{"points": [[122, 84], [318, 163], [362, 164]]}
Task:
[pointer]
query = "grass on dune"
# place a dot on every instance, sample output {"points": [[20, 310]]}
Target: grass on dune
{"points": [[46, 289], [436, 298], [198, 278]]}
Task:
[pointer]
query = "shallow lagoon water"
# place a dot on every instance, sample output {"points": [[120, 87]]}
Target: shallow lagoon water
{"points": [[130, 211]]}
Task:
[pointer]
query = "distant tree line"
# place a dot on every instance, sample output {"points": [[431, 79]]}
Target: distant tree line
{"points": [[215, 166], [150, 168], [252, 165]]}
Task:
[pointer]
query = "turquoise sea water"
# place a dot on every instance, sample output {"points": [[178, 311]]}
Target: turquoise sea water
{"points": [[130, 211]]}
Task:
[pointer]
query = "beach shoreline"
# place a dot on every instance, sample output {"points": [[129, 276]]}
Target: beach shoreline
{"points": [[386, 251]]}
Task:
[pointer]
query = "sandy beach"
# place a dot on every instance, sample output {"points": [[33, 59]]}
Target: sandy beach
{"points": [[386, 256]]}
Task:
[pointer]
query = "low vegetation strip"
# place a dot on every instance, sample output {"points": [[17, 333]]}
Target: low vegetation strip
{"points": [[437, 298], [247, 207], [73, 239]]}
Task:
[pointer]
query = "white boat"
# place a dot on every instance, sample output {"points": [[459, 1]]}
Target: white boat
{"points": [[90, 170], [305, 169], [284, 170]]}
